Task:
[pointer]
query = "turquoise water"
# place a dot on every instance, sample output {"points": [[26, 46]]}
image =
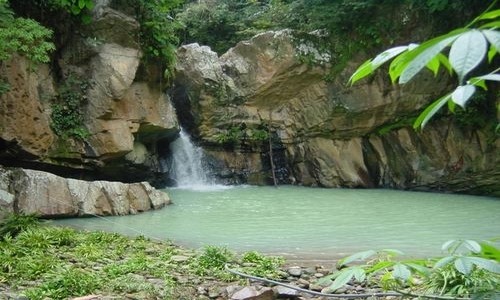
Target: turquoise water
{"points": [[311, 222]]}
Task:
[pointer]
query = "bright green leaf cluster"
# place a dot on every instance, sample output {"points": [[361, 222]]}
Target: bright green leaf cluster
{"points": [[471, 268], [24, 36], [468, 49]]}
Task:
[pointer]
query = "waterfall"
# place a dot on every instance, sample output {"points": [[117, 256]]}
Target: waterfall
{"points": [[187, 163]]}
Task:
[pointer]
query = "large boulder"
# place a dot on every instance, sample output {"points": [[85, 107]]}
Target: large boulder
{"points": [[125, 110], [48, 195], [324, 133]]}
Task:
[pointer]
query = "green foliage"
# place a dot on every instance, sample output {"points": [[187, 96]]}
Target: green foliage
{"points": [[347, 27], [68, 282], [158, 36], [468, 49], [261, 265], [212, 260], [232, 136], [468, 270], [76, 7], [24, 36], [449, 281], [67, 116], [13, 224], [61, 263], [221, 24], [49, 11], [240, 134]]}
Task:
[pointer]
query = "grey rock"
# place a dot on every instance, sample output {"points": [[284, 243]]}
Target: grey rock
{"points": [[295, 271], [214, 292], [202, 290], [303, 283], [252, 293], [179, 258], [49, 195], [285, 292]]}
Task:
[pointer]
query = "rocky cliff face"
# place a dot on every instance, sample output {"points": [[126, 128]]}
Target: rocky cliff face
{"points": [[123, 109], [48, 195], [323, 133]]}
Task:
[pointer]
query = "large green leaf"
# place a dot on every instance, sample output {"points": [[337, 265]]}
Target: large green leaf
{"points": [[460, 96], [343, 278], [430, 111], [418, 267], [443, 262], [401, 272], [490, 15], [364, 70], [486, 264], [423, 54], [472, 246], [491, 25], [493, 37], [369, 66], [433, 65], [359, 274], [464, 265], [392, 252], [492, 77], [356, 257], [387, 55], [491, 53], [379, 266], [399, 63], [445, 62], [467, 52]]}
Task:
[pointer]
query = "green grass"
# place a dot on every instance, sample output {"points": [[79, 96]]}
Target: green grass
{"points": [[45, 262]]}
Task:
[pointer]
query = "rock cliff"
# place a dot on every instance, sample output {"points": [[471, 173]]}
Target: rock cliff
{"points": [[48, 195], [324, 133], [112, 109]]}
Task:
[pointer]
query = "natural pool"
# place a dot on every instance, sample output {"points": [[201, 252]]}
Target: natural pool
{"points": [[311, 222]]}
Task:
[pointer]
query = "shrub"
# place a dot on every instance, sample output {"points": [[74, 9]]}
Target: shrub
{"points": [[13, 224]]}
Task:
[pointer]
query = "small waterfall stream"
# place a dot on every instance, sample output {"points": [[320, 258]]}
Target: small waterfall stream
{"points": [[187, 164]]}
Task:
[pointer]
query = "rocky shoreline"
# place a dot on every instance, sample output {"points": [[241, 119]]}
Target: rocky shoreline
{"points": [[48, 262]]}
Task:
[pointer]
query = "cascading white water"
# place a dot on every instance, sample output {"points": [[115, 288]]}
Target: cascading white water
{"points": [[187, 163]]}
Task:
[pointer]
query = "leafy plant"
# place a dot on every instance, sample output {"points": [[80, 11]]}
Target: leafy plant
{"points": [[136, 263], [158, 27], [67, 115], [67, 283], [468, 270], [240, 134], [14, 223], [468, 48], [76, 7], [261, 265], [212, 260], [24, 36]]}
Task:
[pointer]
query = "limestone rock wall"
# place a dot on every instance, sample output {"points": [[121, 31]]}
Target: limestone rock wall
{"points": [[125, 109], [324, 133], [48, 195]]}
